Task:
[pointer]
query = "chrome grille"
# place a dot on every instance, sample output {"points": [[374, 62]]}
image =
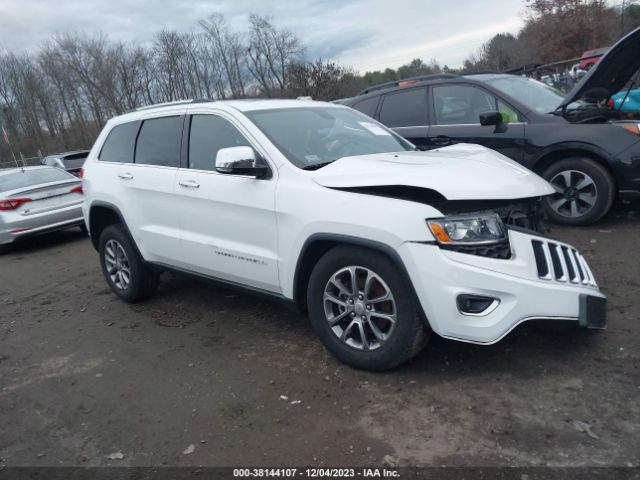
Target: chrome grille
{"points": [[561, 263]]}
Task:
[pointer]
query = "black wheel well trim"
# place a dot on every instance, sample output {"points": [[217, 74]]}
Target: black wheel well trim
{"points": [[304, 266], [109, 206], [557, 152]]}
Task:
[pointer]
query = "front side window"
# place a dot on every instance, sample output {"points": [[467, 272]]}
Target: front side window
{"points": [[407, 108], [208, 134], [159, 142], [461, 104], [311, 137], [119, 145]]}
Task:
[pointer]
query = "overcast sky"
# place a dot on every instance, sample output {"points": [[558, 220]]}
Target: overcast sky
{"points": [[364, 34]]}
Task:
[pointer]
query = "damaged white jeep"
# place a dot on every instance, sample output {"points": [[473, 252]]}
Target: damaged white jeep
{"points": [[320, 205]]}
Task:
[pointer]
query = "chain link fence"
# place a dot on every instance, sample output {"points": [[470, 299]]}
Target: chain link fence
{"points": [[21, 161]]}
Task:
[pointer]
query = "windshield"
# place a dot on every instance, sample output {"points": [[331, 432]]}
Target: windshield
{"points": [[532, 93], [311, 137], [27, 178]]}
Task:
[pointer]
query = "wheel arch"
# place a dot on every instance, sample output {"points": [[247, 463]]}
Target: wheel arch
{"points": [[102, 215], [573, 150], [320, 243]]}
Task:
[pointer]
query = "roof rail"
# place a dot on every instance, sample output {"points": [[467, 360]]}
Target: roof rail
{"points": [[168, 104], [408, 81]]}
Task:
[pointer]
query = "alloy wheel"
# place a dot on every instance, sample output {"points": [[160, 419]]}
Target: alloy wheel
{"points": [[576, 193], [360, 308], [117, 263]]}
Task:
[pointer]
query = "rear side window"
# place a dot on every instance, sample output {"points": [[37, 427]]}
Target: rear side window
{"points": [[159, 142], [367, 106], [28, 177], [208, 134], [405, 109], [118, 147]]}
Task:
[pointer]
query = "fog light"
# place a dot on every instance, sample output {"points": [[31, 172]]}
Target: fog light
{"points": [[476, 304]]}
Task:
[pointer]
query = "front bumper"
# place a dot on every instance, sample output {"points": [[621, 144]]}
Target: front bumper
{"points": [[523, 290]]}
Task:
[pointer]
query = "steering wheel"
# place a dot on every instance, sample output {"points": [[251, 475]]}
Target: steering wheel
{"points": [[343, 144]]}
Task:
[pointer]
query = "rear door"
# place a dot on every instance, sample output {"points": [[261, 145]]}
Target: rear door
{"points": [[228, 221], [455, 118], [405, 111], [147, 187]]}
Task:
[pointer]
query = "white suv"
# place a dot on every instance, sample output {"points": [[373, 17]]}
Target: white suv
{"points": [[320, 205]]}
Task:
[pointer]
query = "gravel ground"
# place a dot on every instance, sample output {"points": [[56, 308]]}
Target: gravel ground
{"points": [[201, 375]]}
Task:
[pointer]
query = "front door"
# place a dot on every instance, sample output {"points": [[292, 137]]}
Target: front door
{"points": [[228, 221]]}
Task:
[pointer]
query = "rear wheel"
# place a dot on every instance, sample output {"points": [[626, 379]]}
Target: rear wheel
{"points": [[122, 267], [362, 309], [585, 191]]}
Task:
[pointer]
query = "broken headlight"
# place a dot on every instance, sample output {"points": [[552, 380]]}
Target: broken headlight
{"points": [[468, 230]]}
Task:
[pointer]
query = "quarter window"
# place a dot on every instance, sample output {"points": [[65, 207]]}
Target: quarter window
{"points": [[118, 147], [159, 142], [405, 109], [208, 134], [461, 104]]}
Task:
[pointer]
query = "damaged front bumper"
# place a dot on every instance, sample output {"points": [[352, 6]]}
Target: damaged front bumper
{"points": [[542, 279]]}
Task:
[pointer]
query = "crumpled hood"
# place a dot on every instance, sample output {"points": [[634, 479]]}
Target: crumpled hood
{"points": [[458, 172], [613, 70]]}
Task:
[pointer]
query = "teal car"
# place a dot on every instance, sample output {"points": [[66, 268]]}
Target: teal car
{"points": [[631, 102]]}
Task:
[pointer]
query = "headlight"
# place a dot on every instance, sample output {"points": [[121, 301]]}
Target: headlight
{"points": [[468, 230]]}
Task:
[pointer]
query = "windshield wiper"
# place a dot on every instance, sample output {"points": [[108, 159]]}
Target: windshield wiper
{"points": [[316, 166]]}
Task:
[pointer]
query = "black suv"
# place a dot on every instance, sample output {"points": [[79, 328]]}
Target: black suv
{"points": [[581, 146]]}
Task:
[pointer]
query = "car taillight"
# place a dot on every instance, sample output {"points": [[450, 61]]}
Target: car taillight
{"points": [[631, 127], [77, 189], [81, 173], [610, 103], [13, 203]]}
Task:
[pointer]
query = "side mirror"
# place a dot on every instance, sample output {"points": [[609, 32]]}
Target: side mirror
{"points": [[240, 161], [491, 118]]}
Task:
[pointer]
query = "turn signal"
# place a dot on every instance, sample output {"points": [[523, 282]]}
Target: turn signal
{"points": [[631, 127]]}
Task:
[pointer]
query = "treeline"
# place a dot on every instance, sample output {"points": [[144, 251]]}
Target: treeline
{"points": [[60, 97], [557, 30]]}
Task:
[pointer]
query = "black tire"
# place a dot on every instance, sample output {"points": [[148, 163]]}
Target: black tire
{"points": [[604, 191], [143, 280], [410, 333], [4, 249]]}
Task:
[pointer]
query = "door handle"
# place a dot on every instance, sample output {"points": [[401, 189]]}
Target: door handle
{"points": [[441, 140], [189, 184], [125, 176]]}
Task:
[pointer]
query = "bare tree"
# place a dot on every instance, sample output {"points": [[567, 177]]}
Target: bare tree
{"points": [[227, 48], [270, 53]]}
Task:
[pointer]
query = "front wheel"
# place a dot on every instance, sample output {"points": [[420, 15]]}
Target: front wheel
{"points": [[363, 310], [585, 191]]}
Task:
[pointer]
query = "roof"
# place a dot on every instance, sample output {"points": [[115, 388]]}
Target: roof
{"points": [[243, 105], [421, 81]]}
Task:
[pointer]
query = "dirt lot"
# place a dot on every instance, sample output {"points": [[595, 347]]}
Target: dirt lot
{"points": [[243, 381]]}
